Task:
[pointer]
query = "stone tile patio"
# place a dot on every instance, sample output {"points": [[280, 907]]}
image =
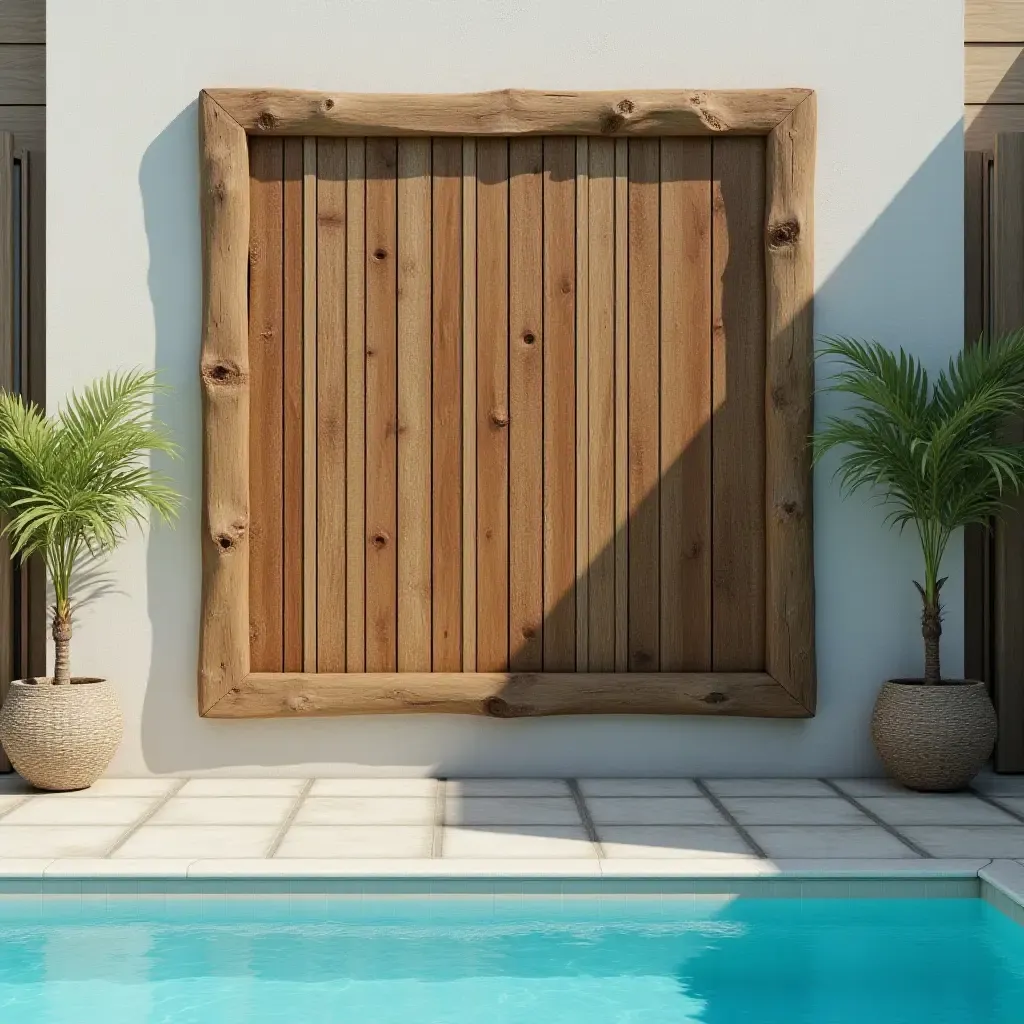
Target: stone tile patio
{"points": [[171, 825]]}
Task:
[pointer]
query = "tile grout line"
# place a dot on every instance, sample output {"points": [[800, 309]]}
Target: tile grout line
{"points": [[21, 803], [289, 819], [891, 829], [437, 829], [139, 822], [584, 812], [754, 845], [993, 801]]}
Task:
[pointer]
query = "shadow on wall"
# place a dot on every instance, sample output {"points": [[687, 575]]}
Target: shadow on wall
{"points": [[854, 556]]}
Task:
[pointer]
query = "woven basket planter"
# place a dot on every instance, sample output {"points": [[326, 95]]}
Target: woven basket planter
{"points": [[61, 737], [934, 738]]}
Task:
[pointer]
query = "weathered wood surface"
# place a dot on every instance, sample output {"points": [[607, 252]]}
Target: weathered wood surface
{"points": [[224, 213], [509, 695], [789, 403], [511, 112]]}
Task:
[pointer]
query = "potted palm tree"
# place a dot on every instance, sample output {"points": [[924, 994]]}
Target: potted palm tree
{"points": [[70, 486], [939, 456]]}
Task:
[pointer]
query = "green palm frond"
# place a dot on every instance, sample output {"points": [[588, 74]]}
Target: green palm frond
{"points": [[937, 454], [76, 482]]}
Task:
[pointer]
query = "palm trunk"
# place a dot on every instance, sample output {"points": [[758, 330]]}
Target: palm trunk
{"points": [[931, 630], [62, 648]]}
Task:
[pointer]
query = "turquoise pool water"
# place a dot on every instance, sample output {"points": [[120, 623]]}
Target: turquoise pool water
{"points": [[675, 960]]}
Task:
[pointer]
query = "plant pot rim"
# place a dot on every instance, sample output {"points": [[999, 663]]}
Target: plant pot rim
{"points": [[919, 681], [40, 681]]}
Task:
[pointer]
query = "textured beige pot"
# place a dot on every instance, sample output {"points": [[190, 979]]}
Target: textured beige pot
{"points": [[61, 737], [934, 737]]}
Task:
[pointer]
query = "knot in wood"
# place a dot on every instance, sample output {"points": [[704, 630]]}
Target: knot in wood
{"points": [[266, 121], [695, 548], [327, 105], [499, 417], [565, 286], [625, 106], [785, 511], [222, 374], [783, 235], [779, 399], [299, 702], [380, 254], [219, 191], [497, 707], [529, 632], [529, 338], [714, 697], [380, 540]]}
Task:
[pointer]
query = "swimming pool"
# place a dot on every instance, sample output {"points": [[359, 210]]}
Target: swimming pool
{"points": [[323, 959]]}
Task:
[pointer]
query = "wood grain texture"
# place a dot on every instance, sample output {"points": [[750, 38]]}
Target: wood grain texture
{"points": [[381, 406], [993, 21], [355, 395], [331, 406], [982, 122], [526, 404], [685, 488], [510, 695], [414, 406], [265, 358], [601, 540], [559, 404], [8, 381], [511, 112], [309, 406], [492, 408], [469, 397], [23, 21], [621, 405], [292, 583], [738, 403], [789, 403], [977, 539], [22, 72], [224, 218], [994, 74], [1008, 315], [644, 399], [582, 301], [447, 482]]}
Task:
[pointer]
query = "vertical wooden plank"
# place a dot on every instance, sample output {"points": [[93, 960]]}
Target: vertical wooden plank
{"points": [[1008, 315], [446, 477], [492, 405], [414, 400], [975, 537], [644, 400], [331, 495], [266, 419], [469, 387], [292, 581], [685, 517], [526, 397], [559, 404], [621, 405], [601, 407], [355, 406], [381, 405], [37, 382], [582, 403], [7, 382], [309, 405], [738, 447]]}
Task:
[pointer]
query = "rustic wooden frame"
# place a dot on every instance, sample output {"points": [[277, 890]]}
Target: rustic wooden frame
{"points": [[227, 688]]}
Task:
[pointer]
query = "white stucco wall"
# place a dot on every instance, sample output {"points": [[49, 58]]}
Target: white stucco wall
{"points": [[123, 288]]}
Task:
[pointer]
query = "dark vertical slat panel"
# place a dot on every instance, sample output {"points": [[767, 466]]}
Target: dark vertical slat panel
{"points": [[266, 411], [738, 423]]}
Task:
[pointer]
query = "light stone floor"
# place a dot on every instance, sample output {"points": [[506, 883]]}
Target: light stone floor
{"points": [[174, 827]]}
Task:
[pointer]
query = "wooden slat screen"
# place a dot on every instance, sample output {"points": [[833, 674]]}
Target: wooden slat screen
{"points": [[507, 404]]}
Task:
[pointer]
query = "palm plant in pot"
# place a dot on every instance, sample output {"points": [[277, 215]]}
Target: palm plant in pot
{"points": [[70, 487], [939, 456]]}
